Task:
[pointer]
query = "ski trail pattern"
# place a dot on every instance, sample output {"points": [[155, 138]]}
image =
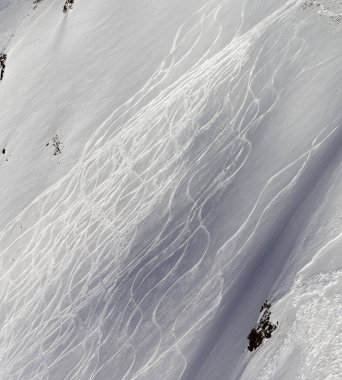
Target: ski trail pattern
{"points": [[108, 274]]}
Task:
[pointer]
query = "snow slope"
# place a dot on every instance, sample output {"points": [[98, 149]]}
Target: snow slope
{"points": [[200, 175]]}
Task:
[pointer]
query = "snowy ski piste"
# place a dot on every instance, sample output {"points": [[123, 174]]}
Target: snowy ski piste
{"points": [[171, 190]]}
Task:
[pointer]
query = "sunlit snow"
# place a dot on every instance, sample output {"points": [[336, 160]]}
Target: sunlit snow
{"points": [[166, 167]]}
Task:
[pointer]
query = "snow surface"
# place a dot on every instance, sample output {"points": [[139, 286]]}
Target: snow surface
{"points": [[201, 174]]}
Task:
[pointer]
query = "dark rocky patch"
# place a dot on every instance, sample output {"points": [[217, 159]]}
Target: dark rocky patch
{"points": [[36, 2], [57, 145], [69, 4], [3, 58], [263, 329]]}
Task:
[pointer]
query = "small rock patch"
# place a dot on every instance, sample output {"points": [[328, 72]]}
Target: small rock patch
{"points": [[3, 58], [56, 143], [69, 4], [263, 329]]}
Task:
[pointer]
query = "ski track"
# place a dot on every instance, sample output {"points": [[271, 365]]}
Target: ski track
{"points": [[83, 295]]}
